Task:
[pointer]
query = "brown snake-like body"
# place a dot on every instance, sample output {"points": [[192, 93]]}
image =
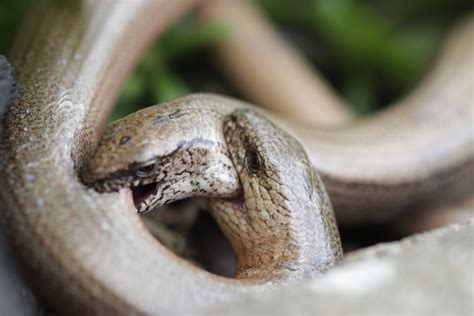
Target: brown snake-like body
{"points": [[280, 222], [89, 252]]}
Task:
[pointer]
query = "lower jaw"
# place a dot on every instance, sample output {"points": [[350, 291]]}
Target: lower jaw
{"points": [[142, 192]]}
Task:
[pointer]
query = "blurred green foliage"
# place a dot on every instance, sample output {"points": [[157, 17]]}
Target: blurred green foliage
{"points": [[154, 80], [372, 51], [11, 13]]}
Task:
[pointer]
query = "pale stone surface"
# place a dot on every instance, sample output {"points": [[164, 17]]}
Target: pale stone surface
{"points": [[427, 274], [15, 297]]}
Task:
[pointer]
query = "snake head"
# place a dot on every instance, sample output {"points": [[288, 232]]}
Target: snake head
{"points": [[127, 154], [280, 190], [265, 154], [162, 155]]}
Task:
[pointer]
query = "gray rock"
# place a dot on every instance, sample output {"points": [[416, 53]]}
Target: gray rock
{"points": [[8, 86], [16, 297], [426, 274]]}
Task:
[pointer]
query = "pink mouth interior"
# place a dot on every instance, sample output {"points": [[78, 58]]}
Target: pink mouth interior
{"points": [[142, 192]]}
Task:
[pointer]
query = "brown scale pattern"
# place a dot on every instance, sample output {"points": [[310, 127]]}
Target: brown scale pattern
{"points": [[89, 253]]}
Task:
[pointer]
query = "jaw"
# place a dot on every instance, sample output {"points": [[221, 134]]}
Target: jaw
{"points": [[143, 195]]}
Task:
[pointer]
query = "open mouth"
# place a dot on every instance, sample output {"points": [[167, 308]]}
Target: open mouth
{"points": [[144, 193]]}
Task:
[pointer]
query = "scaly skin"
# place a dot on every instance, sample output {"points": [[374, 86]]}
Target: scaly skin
{"points": [[89, 253], [280, 223]]}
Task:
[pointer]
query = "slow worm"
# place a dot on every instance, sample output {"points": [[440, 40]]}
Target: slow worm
{"points": [[89, 252]]}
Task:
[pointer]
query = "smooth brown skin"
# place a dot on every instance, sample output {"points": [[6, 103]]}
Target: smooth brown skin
{"points": [[459, 211], [371, 169], [269, 79], [280, 222], [79, 246]]}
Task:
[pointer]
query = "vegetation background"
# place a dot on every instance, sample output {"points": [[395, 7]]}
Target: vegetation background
{"points": [[371, 51]]}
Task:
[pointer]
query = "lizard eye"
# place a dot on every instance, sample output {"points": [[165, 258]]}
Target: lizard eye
{"points": [[253, 162], [146, 169]]}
